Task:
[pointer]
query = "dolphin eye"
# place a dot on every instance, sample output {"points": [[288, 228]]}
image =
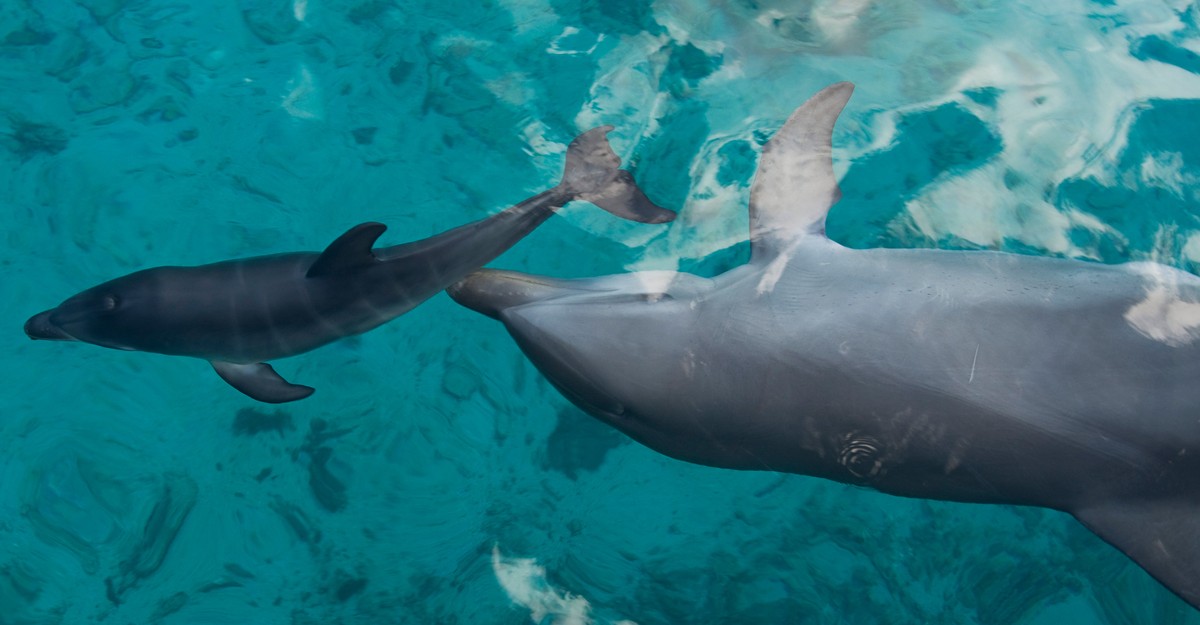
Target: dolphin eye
{"points": [[110, 302]]}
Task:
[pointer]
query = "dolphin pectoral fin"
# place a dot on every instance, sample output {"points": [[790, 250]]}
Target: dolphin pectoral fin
{"points": [[259, 381], [795, 185], [349, 251], [1162, 536]]}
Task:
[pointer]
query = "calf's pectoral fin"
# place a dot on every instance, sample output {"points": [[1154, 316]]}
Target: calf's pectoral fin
{"points": [[259, 381], [1162, 536]]}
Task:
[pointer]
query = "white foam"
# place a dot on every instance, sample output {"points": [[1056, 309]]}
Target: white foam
{"points": [[1165, 171], [1050, 134], [1191, 248], [303, 98], [679, 27], [977, 207], [524, 581], [1068, 91], [535, 139], [625, 92], [556, 46], [838, 19], [532, 15], [703, 228]]}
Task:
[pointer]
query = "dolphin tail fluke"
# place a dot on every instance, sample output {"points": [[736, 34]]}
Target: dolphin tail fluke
{"points": [[1162, 536], [593, 174], [260, 381]]}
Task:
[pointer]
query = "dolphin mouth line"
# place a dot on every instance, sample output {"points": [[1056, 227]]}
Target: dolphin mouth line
{"points": [[491, 291], [40, 327]]}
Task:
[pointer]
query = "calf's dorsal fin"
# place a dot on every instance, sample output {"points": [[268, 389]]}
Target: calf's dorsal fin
{"points": [[794, 185], [350, 251]]}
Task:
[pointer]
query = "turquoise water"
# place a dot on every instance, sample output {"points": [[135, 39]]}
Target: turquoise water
{"points": [[435, 477]]}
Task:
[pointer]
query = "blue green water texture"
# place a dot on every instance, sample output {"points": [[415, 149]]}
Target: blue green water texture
{"points": [[435, 476]]}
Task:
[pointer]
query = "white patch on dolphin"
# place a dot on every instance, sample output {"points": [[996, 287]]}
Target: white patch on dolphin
{"points": [[654, 283], [1165, 314]]}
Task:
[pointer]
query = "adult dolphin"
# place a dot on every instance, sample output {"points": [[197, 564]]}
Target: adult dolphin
{"points": [[238, 314], [955, 375]]}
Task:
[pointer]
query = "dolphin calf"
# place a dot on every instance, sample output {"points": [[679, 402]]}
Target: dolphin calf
{"points": [[238, 314], [957, 375]]}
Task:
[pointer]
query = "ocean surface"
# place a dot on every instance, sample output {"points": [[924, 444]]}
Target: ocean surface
{"points": [[435, 477]]}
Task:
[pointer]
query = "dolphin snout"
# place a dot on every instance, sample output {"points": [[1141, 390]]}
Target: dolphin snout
{"points": [[490, 292], [41, 327]]}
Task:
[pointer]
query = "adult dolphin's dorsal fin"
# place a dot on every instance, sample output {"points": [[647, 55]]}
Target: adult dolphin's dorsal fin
{"points": [[1161, 535], [349, 251], [794, 185], [260, 381]]}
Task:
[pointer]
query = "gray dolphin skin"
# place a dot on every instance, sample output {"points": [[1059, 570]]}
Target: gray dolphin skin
{"points": [[956, 375], [238, 314]]}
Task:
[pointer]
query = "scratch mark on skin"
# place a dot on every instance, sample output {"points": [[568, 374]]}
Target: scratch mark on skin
{"points": [[973, 361]]}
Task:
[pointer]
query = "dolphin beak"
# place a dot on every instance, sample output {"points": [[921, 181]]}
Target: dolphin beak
{"points": [[41, 327], [491, 292]]}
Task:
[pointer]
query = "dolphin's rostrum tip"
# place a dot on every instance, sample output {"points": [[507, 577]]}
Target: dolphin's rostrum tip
{"points": [[41, 327]]}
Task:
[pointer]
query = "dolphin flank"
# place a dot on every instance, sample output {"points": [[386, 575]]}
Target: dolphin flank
{"points": [[238, 314], [956, 375]]}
